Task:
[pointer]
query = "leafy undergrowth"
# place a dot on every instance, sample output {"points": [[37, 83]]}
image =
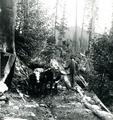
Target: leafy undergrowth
{"points": [[65, 105]]}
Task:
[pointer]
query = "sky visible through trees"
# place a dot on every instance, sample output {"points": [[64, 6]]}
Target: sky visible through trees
{"points": [[104, 12], [43, 32]]}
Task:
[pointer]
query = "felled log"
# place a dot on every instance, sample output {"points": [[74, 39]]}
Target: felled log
{"points": [[97, 109], [100, 113], [65, 79], [55, 64], [99, 102]]}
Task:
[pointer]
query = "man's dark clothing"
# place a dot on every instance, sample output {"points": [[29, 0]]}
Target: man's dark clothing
{"points": [[72, 66], [73, 70]]}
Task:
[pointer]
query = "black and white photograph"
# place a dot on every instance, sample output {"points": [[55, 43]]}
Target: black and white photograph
{"points": [[56, 59]]}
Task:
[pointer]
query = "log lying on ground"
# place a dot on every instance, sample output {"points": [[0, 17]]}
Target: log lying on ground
{"points": [[101, 104], [97, 109], [100, 113], [55, 64], [65, 80]]}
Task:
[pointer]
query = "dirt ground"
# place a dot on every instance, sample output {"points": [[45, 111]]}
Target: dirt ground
{"points": [[65, 105]]}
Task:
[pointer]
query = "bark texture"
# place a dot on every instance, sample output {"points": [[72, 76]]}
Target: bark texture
{"points": [[7, 23]]}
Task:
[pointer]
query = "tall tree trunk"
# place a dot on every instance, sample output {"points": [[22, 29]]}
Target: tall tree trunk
{"points": [[57, 3], [111, 30], [25, 8], [75, 38], [91, 23], [82, 31], [7, 24], [76, 30]]}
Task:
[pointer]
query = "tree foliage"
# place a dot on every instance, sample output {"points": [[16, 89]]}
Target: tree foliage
{"points": [[32, 29], [102, 58]]}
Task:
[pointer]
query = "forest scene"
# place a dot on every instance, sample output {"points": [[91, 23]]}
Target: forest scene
{"points": [[56, 60]]}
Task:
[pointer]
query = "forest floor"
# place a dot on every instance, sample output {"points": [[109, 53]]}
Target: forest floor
{"points": [[66, 105]]}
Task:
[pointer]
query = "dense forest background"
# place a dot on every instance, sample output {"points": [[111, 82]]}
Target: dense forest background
{"points": [[39, 36]]}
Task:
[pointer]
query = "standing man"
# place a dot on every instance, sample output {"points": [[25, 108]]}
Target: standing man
{"points": [[72, 70]]}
